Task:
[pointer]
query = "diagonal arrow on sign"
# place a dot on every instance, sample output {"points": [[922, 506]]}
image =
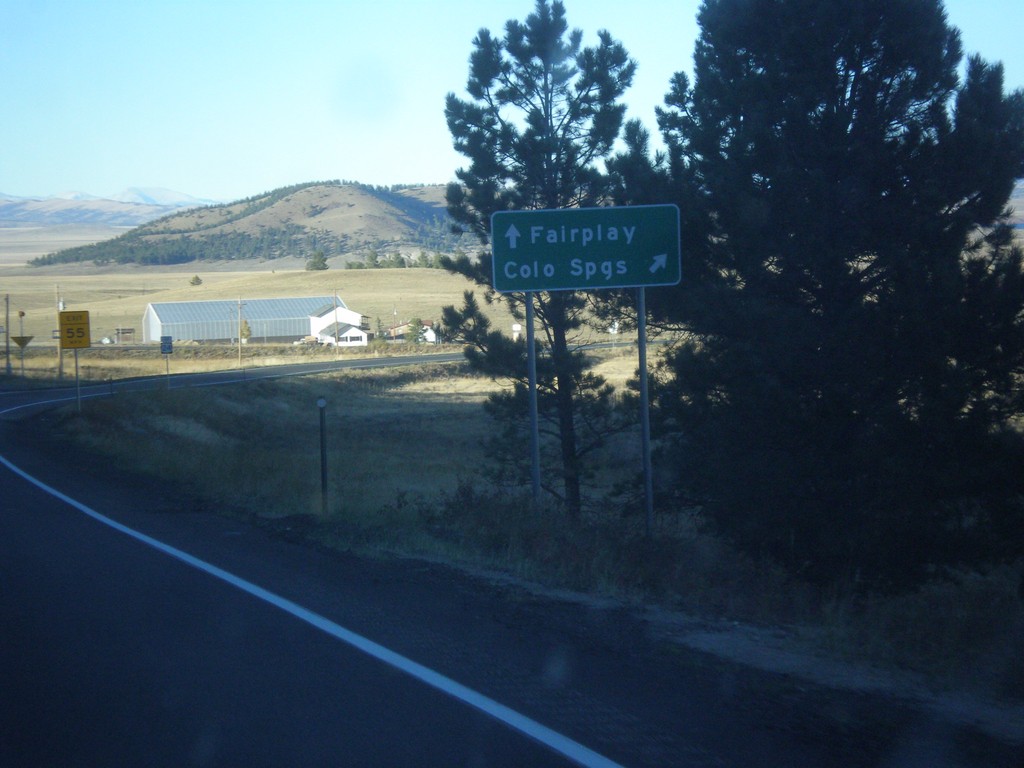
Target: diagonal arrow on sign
{"points": [[660, 262]]}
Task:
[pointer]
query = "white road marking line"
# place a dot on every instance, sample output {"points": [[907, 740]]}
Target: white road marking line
{"points": [[555, 741]]}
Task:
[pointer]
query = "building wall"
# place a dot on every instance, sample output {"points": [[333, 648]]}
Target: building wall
{"points": [[342, 314], [354, 337], [270, 319]]}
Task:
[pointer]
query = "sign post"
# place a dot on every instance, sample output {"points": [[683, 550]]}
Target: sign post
{"points": [[166, 348], [584, 249], [74, 334], [22, 342]]}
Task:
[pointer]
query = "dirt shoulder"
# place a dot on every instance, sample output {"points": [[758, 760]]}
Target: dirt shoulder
{"points": [[784, 652]]}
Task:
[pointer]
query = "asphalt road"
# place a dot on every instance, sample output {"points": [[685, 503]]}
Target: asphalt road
{"points": [[139, 628], [116, 654]]}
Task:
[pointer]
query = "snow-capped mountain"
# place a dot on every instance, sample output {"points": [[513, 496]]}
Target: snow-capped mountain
{"points": [[159, 196], [132, 207]]}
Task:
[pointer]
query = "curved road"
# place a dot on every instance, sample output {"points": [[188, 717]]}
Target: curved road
{"points": [[12, 401], [137, 629]]}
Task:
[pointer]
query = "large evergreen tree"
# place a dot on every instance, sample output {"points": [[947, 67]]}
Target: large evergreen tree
{"points": [[856, 303], [543, 113]]}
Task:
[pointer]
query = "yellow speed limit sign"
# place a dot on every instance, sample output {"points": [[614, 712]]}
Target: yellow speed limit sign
{"points": [[74, 330]]}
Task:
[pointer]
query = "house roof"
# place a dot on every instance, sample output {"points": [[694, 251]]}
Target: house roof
{"points": [[340, 329], [252, 309], [327, 308]]}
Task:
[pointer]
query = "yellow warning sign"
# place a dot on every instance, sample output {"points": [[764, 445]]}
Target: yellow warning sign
{"points": [[74, 330]]}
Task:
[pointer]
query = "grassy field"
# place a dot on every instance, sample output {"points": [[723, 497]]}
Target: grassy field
{"points": [[119, 299], [20, 244]]}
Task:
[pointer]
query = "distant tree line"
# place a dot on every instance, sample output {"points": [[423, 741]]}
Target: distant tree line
{"points": [[150, 250], [373, 259]]}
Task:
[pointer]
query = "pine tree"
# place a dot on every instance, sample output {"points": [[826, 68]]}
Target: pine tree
{"points": [[543, 113], [317, 262], [854, 296]]}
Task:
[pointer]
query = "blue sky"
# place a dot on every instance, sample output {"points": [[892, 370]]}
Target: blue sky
{"points": [[224, 99]]}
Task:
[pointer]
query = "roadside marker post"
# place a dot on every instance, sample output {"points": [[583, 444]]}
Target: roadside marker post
{"points": [[321, 404], [584, 249]]}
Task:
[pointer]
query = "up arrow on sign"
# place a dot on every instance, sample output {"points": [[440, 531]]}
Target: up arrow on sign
{"points": [[513, 236], [586, 248]]}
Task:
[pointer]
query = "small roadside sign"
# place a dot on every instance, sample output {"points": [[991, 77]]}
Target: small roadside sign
{"points": [[586, 248], [166, 345], [74, 330], [22, 341]]}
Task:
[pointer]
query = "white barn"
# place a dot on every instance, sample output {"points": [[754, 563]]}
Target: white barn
{"points": [[286, 319]]}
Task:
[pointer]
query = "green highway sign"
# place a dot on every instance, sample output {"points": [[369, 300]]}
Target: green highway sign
{"points": [[586, 248]]}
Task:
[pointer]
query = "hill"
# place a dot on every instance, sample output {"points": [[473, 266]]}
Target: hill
{"points": [[340, 219]]}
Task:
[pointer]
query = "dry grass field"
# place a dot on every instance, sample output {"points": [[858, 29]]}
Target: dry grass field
{"points": [[118, 299], [20, 244]]}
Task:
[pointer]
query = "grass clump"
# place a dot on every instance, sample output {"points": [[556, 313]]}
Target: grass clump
{"points": [[966, 629]]}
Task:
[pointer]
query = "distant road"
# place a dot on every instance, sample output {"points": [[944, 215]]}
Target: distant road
{"points": [[12, 401]]}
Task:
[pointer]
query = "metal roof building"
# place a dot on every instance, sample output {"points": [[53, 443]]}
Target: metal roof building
{"points": [[268, 319]]}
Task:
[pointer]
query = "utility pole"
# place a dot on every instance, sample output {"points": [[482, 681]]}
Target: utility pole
{"points": [[7, 332], [239, 331], [60, 342]]}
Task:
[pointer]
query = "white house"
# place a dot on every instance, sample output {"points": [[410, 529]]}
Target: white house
{"points": [[337, 325], [409, 332]]}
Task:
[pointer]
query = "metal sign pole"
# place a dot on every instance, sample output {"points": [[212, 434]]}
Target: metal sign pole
{"points": [[531, 358], [645, 412], [78, 383], [166, 348]]}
